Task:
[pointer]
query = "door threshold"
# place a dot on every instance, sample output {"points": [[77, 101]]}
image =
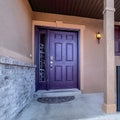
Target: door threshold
{"points": [[58, 92]]}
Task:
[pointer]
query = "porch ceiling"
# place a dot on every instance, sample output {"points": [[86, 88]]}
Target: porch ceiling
{"points": [[82, 8]]}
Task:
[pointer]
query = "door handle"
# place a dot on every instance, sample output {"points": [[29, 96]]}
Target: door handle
{"points": [[51, 64]]}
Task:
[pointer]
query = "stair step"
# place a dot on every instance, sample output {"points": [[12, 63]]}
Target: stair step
{"points": [[57, 93]]}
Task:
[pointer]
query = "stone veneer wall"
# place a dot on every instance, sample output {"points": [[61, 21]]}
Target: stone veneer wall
{"points": [[17, 85]]}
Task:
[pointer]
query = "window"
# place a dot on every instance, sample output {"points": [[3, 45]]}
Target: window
{"points": [[117, 40]]}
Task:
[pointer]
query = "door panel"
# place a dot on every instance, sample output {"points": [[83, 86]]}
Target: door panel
{"points": [[69, 73], [41, 59], [69, 52], [58, 73], [63, 59], [58, 52]]}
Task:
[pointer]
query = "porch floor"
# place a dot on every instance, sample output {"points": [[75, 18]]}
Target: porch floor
{"points": [[83, 107]]}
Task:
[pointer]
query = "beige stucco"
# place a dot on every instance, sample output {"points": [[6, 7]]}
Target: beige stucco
{"points": [[93, 53], [16, 39], [15, 29]]}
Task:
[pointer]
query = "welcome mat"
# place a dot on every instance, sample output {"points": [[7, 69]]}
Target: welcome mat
{"points": [[55, 100]]}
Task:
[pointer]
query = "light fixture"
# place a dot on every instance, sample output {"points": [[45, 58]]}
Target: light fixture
{"points": [[98, 36]]}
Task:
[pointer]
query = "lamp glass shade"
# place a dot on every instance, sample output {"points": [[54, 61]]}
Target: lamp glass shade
{"points": [[98, 35]]}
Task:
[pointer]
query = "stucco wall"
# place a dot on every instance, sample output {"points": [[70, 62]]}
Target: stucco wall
{"points": [[15, 29], [93, 53]]}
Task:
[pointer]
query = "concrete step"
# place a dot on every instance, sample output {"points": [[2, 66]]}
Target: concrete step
{"points": [[57, 93], [115, 116]]}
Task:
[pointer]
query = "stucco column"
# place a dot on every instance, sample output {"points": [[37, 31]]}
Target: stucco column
{"points": [[109, 91]]}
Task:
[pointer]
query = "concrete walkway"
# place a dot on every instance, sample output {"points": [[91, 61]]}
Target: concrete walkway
{"points": [[83, 107]]}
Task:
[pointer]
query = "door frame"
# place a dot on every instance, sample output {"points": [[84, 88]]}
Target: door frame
{"points": [[63, 26]]}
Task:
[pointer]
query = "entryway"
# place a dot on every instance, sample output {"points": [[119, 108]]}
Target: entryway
{"points": [[84, 106], [56, 57]]}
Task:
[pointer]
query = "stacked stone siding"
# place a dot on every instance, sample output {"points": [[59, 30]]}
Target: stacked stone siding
{"points": [[17, 86]]}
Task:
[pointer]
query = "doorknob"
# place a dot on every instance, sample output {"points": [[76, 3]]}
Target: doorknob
{"points": [[51, 62]]}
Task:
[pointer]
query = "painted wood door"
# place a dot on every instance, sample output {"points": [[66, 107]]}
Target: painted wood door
{"points": [[118, 87], [63, 60]]}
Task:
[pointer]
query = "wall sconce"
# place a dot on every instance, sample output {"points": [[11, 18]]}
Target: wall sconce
{"points": [[98, 36]]}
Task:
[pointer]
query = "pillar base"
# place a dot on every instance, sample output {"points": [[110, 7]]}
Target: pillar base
{"points": [[109, 108]]}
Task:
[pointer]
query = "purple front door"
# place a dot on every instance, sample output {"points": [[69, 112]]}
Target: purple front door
{"points": [[63, 60], [56, 58]]}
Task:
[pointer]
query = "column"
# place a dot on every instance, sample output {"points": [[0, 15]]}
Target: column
{"points": [[109, 105]]}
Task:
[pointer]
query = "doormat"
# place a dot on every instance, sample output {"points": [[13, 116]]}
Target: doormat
{"points": [[55, 100]]}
